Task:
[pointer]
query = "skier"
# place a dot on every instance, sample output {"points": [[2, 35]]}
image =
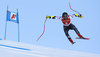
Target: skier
{"points": [[67, 25]]}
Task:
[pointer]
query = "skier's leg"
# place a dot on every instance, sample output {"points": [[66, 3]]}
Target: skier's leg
{"points": [[77, 32], [68, 36]]}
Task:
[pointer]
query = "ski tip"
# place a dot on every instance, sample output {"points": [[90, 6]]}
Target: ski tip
{"points": [[78, 38], [87, 38], [82, 38]]}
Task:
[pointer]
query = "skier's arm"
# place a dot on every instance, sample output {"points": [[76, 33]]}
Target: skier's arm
{"points": [[53, 17], [77, 15]]}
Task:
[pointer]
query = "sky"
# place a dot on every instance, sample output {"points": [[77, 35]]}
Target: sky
{"points": [[32, 15]]}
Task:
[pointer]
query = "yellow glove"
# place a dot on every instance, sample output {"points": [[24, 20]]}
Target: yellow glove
{"points": [[47, 16], [53, 17], [80, 16]]}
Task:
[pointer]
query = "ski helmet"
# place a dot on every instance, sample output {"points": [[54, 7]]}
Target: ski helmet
{"points": [[64, 14]]}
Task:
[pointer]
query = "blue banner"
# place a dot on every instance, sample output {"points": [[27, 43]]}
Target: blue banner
{"points": [[12, 16]]}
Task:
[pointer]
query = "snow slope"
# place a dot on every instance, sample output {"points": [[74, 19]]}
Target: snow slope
{"points": [[18, 49]]}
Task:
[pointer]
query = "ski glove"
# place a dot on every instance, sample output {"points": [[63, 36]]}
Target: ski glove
{"points": [[53, 17], [78, 15], [47, 16]]}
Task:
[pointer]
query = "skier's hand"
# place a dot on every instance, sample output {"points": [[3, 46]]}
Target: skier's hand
{"points": [[47, 17], [80, 16], [51, 17]]}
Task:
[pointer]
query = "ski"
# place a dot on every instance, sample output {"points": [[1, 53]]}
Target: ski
{"points": [[82, 38]]}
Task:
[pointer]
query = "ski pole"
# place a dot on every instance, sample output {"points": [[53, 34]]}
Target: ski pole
{"points": [[43, 30], [72, 9]]}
